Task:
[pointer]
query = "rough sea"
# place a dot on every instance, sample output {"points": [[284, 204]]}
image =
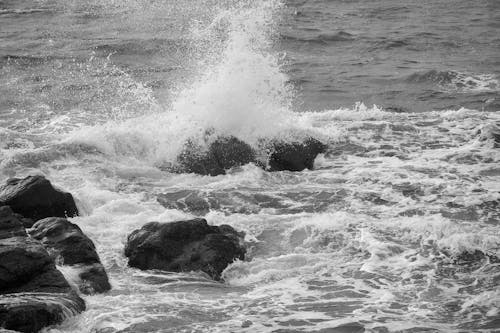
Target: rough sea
{"points": [[383, 236]]}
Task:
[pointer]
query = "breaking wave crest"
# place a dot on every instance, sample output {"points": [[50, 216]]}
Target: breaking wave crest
{"points": [[240, 90]]}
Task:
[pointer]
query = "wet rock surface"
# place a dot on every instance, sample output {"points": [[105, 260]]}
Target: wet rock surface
{"points": [[225, 153], [10, 224], [295, 156], [33, 293], [68, 245], [35, 198], [184, 246], [222, 154], [30, 312]]}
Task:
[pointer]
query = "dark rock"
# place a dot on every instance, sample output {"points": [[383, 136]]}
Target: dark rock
{"points": [[295, 156], [35, 198], [10, 224], [27, 223], [30, 312], [94, 279], [34, 294], [231, 152], [184, 246], [223, 154], [23, 264], [68, 245]]}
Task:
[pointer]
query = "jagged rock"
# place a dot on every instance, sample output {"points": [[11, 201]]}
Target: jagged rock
{"points": [[33, 293], [35, 198], [295, 156], [183, 246], [223, 154], [68, 245]]}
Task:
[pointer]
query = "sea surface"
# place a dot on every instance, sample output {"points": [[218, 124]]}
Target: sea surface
{"points": [[383, 236]]}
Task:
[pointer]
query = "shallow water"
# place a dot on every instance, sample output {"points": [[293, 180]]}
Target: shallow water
{"points": [[101, 95]]}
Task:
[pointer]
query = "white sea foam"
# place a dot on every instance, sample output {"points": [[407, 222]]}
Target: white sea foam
{"points": [[370, 235], [464, 82]]}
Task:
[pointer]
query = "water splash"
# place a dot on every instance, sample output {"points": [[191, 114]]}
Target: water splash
{"points": [[245, 93], [240, 90]]}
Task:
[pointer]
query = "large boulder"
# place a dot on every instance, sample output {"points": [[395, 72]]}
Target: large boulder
{"points": [[184, 246], [68, 245], [35, 198], [294, 156], [34, 294], [222, 154]]}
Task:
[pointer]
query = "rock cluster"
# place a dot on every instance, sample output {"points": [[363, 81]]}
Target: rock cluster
{"points": [[226, 152], [193, 245], [33, 292]]}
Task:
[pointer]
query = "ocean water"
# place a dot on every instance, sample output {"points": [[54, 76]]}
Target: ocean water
{"points": [[100, 96]]}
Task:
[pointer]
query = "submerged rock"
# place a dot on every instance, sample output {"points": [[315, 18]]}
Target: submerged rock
{"points": [[184, 246], [295, 156], [199, 203], [34, 294], [35, 198], [185, 200], [68, 245], [222, 154]]}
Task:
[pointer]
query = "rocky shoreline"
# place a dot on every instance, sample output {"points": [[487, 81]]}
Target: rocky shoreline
{"points": [[36, 236]]}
